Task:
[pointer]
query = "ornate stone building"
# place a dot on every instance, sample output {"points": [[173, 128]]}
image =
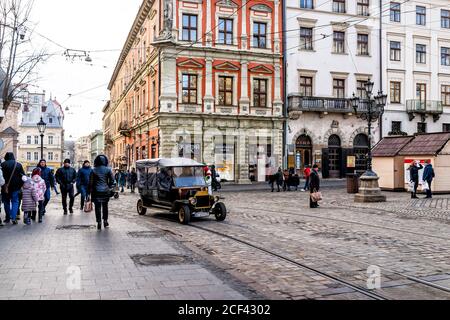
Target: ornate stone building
{"points": [[201, 79]]}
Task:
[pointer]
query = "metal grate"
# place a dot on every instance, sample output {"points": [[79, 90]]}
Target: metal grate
{"points": [[160, 259], [147, 234], [75, 227]]}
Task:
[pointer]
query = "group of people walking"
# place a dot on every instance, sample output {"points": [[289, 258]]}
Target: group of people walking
{"points": [[126, 179], [32, 193]]}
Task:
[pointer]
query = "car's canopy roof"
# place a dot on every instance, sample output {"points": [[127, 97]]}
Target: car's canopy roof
{"points": [[168, 162]]}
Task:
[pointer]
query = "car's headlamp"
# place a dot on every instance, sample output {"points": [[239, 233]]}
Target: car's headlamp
{"points": [[216, 199], [193, 201]]}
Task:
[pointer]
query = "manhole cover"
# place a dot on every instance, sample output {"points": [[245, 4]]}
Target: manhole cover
{"points": [[75, 227], [146, 234], [160, 259]]}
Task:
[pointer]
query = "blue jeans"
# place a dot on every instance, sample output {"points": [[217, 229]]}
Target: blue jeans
{"points": [[84, 195], [11, 203], [46, 197], [306, 187]]}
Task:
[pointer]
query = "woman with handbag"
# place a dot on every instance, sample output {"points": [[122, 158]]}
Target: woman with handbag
{"points": [[12, 172], [314, 187], [101, 181]]}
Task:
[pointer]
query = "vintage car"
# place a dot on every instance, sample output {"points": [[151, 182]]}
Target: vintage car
{"points": [[179, 185]]}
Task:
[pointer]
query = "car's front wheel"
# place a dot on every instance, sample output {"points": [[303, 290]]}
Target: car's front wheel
{"points": [[220, 211], [140, 208], [184, 214]]}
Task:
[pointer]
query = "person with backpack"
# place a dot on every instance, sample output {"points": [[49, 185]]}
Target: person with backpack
{"points": [[29, 200], [40, 189], [12, 173], [2, 183], [66, 176], [428, 176]]}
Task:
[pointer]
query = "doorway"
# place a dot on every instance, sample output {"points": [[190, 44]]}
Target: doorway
{"points": [[303, 154], [361, 149], [334, 156]]}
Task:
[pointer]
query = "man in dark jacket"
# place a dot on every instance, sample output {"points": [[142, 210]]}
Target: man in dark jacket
{"points": [[428, 176], [49, 178], [314, 184], [12, 173], [66, 176], [83, 181], [414, 177], [133, 179]]}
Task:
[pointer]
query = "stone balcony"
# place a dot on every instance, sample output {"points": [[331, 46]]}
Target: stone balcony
{"points": [[424, 108], [124, 129], [298, 104]]}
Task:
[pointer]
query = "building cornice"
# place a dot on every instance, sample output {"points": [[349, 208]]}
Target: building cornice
{"points": [[422, 72], [137, 24]]}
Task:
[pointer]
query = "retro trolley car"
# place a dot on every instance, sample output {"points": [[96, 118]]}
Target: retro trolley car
{"points": [[177, 184]]}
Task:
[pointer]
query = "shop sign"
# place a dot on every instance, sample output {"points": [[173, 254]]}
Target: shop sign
{"points": [[351, 161]]}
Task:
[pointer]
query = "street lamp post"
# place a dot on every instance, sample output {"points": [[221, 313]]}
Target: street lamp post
{"points": [[41, 127], [370, 110]]}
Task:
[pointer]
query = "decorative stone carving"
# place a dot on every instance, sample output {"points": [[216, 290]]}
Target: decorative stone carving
{"points": [[261, 7], [168, 19]]}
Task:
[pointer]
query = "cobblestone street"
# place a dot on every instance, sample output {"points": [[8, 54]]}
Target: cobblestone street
{"points": [[271, 246]]}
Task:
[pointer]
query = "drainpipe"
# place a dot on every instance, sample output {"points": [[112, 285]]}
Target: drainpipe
{"points": [[285, 106], [380, 40]]}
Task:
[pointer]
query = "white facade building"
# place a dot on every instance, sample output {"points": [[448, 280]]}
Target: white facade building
{"points": [[332, 49], [416, 59]]}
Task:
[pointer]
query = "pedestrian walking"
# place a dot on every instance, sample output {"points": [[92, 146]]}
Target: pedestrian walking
{"points": [[286, 181], [133, 179], [66, 176], [277, 179], [12, 173], [83, 182], [414, 177], [314, 185], [2, 183], [49, 179], [428, 176], [128, 179], [122, 180], [306, 174], [101, 181], [40, 189], [29, 200]]}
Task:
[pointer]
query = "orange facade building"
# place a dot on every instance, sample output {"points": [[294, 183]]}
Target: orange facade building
{"points": [[200, 79]]}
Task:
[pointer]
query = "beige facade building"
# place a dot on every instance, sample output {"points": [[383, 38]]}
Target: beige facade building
{"points": [[82, 151]]}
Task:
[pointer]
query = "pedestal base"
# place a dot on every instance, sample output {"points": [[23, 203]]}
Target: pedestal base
{"points": [[369, 191]]}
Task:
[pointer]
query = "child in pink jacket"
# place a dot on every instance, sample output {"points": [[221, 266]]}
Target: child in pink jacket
{"points": [[39, 189]]}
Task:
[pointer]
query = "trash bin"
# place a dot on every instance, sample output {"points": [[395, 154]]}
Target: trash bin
{"points": [[352, 183]]}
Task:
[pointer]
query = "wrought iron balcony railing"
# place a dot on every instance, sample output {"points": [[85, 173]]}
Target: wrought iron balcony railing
{"points": [[320, 104], [421, 106]]}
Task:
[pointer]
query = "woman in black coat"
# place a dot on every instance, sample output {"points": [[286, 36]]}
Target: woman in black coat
{"points": [[314, 185], [101, 181]]}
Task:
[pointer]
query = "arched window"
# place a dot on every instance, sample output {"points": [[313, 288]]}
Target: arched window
{"points": [[334, 141]]}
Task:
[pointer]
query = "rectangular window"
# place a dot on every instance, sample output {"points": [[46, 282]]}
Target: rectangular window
{"points": [[361, 89], [421, 92], [363, 7], [446, 127], [36, 156], [306, 4], [225, 91], [50, 156], [225, 31], [445, 56], [339, 6], [445, 95], [28, 139], [154, 93], [421, 53], [28, 156], [339, 42], [189, 88], [395, 51], [260, 93], [306, 86], [421, 127], [306, 41], [50, 140], [396, 126], [363, 44], [445, 19], [421, 15], [339, 88], [395, 88], [395, 12], [189, 27], [259, 35]]}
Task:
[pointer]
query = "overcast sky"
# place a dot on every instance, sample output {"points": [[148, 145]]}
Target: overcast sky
{"points": [[83, 25]]}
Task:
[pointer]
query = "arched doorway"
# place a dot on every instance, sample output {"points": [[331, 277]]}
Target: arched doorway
{"points": [[303, 154], [334, 156], [361, 149]]}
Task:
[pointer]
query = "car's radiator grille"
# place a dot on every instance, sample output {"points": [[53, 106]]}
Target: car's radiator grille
{"points": [[202, 202]]}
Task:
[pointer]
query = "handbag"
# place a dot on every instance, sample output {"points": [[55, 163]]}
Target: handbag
{"points": [[88, 205], [316, 196], [6, 186], [411, 186]]}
